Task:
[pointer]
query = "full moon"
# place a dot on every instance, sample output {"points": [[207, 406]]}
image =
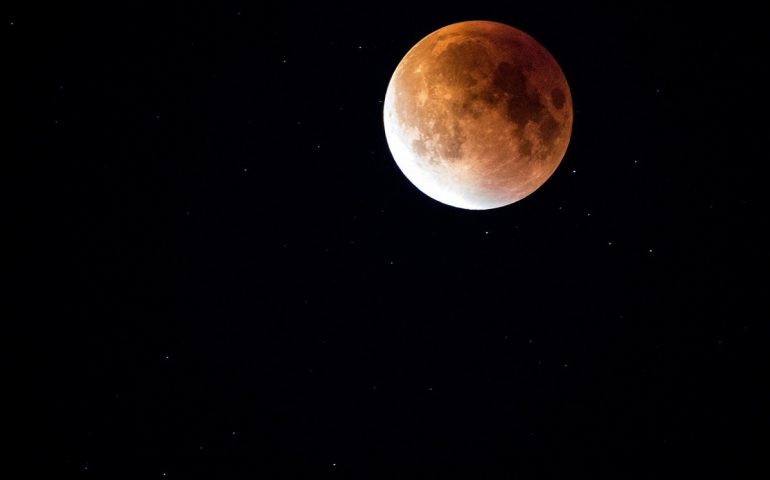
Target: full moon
{"points": [[478, 115]]}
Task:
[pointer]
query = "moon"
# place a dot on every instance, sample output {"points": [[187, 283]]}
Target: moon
{"points": [[478, 115]]}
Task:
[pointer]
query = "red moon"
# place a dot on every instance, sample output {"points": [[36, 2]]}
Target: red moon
{"points": [[478, 115]]}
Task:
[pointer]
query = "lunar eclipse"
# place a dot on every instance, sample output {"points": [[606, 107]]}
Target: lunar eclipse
{"points": [[478, 115]]}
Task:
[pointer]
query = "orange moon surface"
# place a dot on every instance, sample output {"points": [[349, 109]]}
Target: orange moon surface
{"points": [[478, 115]]}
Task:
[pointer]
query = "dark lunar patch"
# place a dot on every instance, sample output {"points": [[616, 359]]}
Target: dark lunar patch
{"points": [[460, 61], [526, 147], [476, 104], [522, 106], [549, 128], [558, 98], [488, 96]]}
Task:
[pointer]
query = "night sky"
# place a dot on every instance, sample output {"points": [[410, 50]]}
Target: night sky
{"points": [[229, 277]]}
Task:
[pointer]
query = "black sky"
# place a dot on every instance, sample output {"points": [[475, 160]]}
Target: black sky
{"points": [[230, 278]]}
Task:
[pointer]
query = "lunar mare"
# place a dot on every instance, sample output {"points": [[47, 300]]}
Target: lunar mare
{"points": [[478, 115]]}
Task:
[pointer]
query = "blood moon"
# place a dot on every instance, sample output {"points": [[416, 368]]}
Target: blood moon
{"points": [[478, 115]]}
